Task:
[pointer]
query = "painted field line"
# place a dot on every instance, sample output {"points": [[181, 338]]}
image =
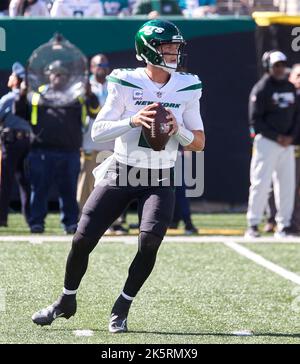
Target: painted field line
{"points": [[39, 239], [258, 259]]}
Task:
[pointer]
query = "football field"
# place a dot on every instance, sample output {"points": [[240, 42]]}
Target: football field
{"points": [[207, 289]]}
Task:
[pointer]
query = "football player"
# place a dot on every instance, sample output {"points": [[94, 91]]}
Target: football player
{"points": [[132, 97]]}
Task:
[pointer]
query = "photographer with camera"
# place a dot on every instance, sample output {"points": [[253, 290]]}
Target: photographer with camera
{"points": [[15, 144]]}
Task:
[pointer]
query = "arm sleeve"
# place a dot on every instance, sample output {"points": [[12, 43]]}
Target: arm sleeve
{"points": [[108, 125], [191, 115], [256, 114], [93, 106]]}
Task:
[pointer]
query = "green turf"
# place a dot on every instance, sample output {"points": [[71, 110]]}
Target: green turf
{"points": [[198, 293], [17, 225], [286, 255]]}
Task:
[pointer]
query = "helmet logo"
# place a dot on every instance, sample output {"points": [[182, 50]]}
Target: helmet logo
{"points": [[150, 29]]}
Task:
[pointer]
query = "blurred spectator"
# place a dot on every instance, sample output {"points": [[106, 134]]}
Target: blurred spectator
{"points": [[295, 79], [4, 5], [295, 222], [15, 144], [154, 8], [182, 210], [274, 115], [94, 153], [28, 8], [115, 7], [99, 68], [198, 8], [55, 153], [76, 8]]}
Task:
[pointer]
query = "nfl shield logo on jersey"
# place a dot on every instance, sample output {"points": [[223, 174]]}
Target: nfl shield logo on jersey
{"points": [[137, 94], [159, 94]]}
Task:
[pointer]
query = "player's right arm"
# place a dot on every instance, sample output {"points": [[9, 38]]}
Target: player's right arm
{"points": [[109, 123]]}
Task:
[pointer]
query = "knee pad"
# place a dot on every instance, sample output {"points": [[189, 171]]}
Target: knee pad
{"points": [[149, 243], [82, 244]]}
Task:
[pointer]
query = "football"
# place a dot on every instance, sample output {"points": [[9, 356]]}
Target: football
{"points": [[157, 136]]}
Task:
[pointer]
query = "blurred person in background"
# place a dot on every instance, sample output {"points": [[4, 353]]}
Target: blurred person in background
{"points": [[55, 153], [274, 115], [182, 211], [94, 153], [294, 78], [15, 145], [156, 8], [28, 8], [4, 5], [115, 7], [198, 8], [76, 8], [99, 68]]}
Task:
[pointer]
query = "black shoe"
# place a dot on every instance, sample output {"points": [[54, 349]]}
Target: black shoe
{"points": [[70, 230], [117, 324], [37, 229], [119, 230], [134, 226], [3, 223], [190, 229], [60, 308], [173, 225], [252, 232]]}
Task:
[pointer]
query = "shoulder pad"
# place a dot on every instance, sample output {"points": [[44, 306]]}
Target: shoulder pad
{"points": [[123, 76], [189, 82]]}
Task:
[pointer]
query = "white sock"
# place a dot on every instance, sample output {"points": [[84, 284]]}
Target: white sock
{"points": [[68, 292], [127, 297]]}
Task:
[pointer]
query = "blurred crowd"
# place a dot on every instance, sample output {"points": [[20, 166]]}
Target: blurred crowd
{"points": [[45, 143], [101, 8]]}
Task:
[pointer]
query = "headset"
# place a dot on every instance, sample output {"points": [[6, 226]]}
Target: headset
{"points": [[266, 59]]}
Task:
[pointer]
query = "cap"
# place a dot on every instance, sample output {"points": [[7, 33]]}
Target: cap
{"points": [[57, 67], [276, 57], [18, 70]]}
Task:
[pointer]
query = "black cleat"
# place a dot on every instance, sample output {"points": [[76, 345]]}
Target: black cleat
{"points": [[37, 229], [190, 229], [117, 324], [58, 309]]}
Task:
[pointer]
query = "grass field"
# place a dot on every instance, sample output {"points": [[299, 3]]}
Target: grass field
{"points": [[198, 292]]}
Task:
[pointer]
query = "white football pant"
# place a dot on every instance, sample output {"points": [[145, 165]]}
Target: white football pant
{"points": [[271, 162]]}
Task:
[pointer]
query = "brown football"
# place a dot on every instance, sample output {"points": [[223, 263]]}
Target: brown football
{"points": [[157, 137]]}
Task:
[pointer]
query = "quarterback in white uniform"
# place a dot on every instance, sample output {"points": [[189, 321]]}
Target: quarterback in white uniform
{"points": [[131, 90], [132, 97]]}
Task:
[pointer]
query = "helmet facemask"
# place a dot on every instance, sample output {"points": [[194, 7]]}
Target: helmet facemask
{"points": [[167, 66], [155, 34]]}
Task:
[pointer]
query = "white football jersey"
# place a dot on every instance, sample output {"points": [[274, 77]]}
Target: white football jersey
{"points": [[129, 90], [77, 8]]}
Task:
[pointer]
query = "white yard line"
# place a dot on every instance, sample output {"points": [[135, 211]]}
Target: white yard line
{"points": [[39, 239], [258, 259]]}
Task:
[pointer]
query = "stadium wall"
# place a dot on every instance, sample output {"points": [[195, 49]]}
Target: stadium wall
{"points": [[221, 51]]}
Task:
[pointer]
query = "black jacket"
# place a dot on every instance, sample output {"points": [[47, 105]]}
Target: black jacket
{"points": [[58, 128], [274, 109]]}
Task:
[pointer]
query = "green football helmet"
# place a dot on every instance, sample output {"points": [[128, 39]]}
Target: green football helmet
{"points": [[153, 34]]}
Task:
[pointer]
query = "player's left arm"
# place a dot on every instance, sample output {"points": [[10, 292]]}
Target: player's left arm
{"points": [[190, 135], [198, 142]]}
